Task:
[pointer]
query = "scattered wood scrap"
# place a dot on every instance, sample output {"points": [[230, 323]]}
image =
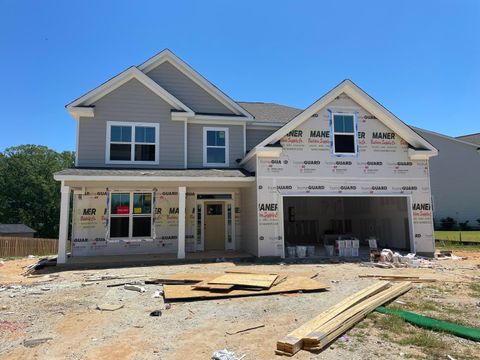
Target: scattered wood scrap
{"points": [[396, 277], [208, 286], [244, 329], [264, 281], [326, 327]]}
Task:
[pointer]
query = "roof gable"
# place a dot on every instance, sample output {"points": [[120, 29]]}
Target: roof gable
{"points": [[80, 106], [199, 81], [365, 101]]}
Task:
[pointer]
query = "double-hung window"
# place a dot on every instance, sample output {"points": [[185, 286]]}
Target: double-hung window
{"points": [[132, 143], [215, 147], [131, 215], [344, 134]]}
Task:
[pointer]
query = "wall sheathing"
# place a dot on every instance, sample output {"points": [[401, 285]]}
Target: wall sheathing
{"points": [[90, 224], [307, 166]]}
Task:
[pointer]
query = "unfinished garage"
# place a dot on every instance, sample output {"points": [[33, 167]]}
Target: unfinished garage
{"points": [[315, 223]]}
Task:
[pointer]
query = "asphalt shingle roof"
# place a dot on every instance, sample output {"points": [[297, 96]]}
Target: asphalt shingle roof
{"points": [[15, 228], [270, 112]]}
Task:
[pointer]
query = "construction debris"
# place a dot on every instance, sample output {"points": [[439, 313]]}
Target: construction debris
{"points": [[241, 284], [395, 277], [225, 355], [140, 289], [109, 307], [326, 327], [243, 329], [156, 313], [35, 342], [40, 264]]}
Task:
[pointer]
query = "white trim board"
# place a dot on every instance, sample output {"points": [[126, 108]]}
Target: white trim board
{"points": [[131, 73], [132, 143], [168, 55], [364, 100], [113, 179], [227, 146]]}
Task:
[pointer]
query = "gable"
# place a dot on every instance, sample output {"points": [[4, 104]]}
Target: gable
{"points": [[183, 72], [133, 97], [83, 105], [187, 91], [375, 140], [419, 147]]}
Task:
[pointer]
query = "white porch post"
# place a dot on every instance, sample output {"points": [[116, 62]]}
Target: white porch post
{"points": [[182, 190], [64, 222]]}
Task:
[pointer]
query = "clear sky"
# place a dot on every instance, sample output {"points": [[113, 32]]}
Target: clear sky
{"points": [[420, 59]]}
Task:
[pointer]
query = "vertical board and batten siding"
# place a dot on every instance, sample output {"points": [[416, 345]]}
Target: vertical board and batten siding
{"points": [[195, 144], [186, 90], [256, 136], [131, 102]]}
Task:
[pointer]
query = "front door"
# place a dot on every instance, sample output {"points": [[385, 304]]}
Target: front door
{"points": [[214, 222]]}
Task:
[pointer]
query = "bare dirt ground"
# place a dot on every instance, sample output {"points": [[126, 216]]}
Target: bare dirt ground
{"points": [[65, 309]]}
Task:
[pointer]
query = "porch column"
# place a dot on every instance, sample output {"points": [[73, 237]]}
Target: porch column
{"points": [[181, 221], [64, 222]]}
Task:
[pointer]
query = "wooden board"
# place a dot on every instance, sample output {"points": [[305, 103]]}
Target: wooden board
{"points": [[212, 287], [250, 280], [291, 284], [293, 342]]}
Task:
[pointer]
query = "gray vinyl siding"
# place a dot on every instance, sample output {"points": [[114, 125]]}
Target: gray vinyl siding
{"points": [[255, 137], [195, 144], [187, 91], [131, 102], [454, 175]]}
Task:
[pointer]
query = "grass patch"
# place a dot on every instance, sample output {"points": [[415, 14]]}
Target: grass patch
{"points": [[471, 236], [391, 323], [451, 245], [424, 339], [475, 290]]}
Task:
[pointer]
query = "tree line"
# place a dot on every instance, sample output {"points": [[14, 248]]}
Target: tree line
{"points": [[28, 193]]}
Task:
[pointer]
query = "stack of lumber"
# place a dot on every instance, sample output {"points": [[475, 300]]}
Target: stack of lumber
{"points": [[326, 327], [197, 286]]}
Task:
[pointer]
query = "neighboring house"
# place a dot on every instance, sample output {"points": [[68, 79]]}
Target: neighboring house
{"points": [[455, 175], [16, 230], [472, 138], [167, 163]]}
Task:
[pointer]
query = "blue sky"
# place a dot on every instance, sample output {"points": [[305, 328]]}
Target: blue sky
{"points": [[420, 59]]}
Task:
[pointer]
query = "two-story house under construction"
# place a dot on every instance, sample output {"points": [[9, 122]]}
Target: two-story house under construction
{"points": [[166, 163]]}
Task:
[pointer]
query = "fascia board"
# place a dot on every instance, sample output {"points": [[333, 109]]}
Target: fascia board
{"points": [[151, 178], [122, 78]]}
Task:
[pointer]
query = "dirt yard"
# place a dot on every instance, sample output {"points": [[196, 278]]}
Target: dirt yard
{"points": [[61, 305]]}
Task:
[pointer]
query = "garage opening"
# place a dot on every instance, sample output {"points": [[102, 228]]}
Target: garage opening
{"points": [[318, 222]]}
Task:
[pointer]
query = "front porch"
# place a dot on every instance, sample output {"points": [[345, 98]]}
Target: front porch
{"points": [[132, 216], [113, 261]]}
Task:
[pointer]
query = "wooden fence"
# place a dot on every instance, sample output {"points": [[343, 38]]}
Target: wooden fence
{"points": [[17, 246]]}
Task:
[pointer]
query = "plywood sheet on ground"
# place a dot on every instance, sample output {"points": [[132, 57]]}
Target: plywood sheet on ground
{"points": [[291, 284], [245, 279]]}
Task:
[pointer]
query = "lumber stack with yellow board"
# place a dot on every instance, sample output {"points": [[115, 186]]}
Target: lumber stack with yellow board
{"points": [[326, 327]]}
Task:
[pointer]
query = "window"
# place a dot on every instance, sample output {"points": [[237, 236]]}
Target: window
{"points": [[132, 143], [131, 215], [215, 147], [344, 134]]}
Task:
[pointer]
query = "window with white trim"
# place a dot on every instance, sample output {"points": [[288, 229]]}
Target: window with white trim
{"points": [[132, 143], [344, 134], [215, 146], [131, 215]]}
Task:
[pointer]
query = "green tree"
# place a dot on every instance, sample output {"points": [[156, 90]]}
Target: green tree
{"points": [[28, 192]]}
